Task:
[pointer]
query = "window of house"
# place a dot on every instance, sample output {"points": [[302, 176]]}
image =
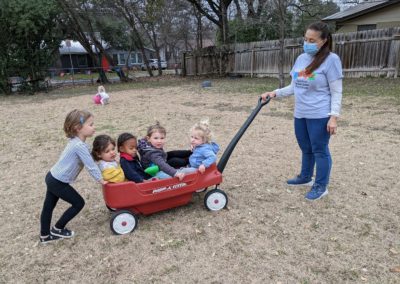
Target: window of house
{"points": [[365, 27], [121, 59], [133, 58]]}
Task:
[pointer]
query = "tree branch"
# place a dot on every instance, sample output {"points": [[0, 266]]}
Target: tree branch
{"points": [[204, 12]]}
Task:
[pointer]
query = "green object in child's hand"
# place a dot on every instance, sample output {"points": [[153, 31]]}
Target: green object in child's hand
{"points": [[152, 170]]}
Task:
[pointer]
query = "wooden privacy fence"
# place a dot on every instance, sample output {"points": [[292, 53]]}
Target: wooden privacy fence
{"points": [[209, 60], [368, 53]]}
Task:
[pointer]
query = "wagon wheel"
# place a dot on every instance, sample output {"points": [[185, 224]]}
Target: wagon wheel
{"points": [[215, 200], [123, 222]]}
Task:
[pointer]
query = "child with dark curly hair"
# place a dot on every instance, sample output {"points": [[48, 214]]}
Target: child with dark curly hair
{"points": [[130, 162]]}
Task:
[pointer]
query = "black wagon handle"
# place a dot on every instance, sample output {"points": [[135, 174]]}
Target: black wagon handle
{"points": [[228, 151], [263, 103]]}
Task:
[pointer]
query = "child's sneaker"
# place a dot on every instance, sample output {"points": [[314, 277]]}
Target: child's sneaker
{"points": [[317, 191], [300, 181], [62, 233], [48, 239]]}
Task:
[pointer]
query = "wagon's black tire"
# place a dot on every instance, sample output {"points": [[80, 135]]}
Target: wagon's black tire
{"points": [[123, 222], [215, 200], [111, 209]]}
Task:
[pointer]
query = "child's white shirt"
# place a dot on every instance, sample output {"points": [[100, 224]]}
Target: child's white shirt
{"points": [[104, 95]]}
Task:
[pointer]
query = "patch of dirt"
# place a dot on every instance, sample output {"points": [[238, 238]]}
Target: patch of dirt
{"points": [[269, 234]]}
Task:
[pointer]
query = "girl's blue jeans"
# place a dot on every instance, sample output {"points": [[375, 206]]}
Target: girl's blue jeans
{"points": [[313, 139], [162, 175]]}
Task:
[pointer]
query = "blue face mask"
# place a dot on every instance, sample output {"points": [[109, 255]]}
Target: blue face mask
{"points": [[310, 48]]}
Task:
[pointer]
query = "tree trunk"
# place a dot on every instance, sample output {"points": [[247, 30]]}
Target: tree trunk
{"points": [[126, 12], [224, 18], [199, 32], [282, 13], [220, 10], [157, 49], [238, 10]]}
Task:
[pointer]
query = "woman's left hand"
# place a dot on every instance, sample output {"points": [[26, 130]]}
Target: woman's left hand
{"points": [[332, 125]]}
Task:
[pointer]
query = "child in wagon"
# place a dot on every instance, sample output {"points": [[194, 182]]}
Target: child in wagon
{"points": [[130, 162], [152, 153], [203, 148], [104, 153]]}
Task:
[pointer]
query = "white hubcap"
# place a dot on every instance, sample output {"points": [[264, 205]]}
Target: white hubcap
{"points": [[124, 223], [216, 201]]}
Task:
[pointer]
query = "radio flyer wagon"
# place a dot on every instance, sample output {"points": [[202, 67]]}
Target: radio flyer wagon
{"points": [[129, 199]]}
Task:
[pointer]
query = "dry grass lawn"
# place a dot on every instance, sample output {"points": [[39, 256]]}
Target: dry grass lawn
{"points": [[268, 234]]}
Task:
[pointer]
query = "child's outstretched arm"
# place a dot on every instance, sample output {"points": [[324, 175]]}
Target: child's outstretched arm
{"points": [[84, 155], [158, 160]]}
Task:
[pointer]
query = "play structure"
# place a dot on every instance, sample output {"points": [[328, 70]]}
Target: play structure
{"points": [[128, 200]]}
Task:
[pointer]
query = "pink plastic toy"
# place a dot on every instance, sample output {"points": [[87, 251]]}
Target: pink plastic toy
{"points": [[97, 99]]}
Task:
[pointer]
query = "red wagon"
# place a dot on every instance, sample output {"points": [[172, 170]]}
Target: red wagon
{"points": [[129, 199]]}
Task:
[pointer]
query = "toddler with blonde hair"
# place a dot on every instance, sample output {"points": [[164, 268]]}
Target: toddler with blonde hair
{"points": [[204, 150], [104, 97]]}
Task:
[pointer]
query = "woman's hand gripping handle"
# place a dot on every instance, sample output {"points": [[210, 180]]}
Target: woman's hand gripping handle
{"points": [[265, 96]]}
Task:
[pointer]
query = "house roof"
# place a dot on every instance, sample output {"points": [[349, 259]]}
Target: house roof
{"points": [[359, 10], [75, 47], [111, 50]]}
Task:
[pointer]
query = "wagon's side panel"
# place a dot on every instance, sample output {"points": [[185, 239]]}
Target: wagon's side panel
{"points": [[163, 204], [150, 197]]}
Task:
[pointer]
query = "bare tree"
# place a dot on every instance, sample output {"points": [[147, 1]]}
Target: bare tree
{"points": [[239, 13], [177, 27], [149, 16], [281, 6], [217, 13], [255, 8], [126, 9], [76, 22], [183, 26], [199, 28]]}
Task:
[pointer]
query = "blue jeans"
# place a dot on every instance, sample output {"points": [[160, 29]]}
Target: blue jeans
{"points": [[313, 139], [162, 175]]}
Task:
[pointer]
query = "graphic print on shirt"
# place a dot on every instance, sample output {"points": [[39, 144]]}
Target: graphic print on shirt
{"points": [[302, 79]]}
